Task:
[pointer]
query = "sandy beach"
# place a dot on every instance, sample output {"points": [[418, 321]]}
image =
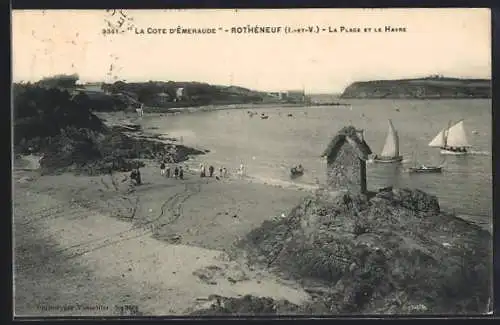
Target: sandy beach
{"points": [[87, 246]]}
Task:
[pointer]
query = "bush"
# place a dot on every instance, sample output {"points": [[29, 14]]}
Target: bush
{"points": [[42, 113]]}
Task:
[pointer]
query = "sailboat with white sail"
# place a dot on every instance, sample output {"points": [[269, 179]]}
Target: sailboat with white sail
{"points": [[390, 152], [452, 140]]}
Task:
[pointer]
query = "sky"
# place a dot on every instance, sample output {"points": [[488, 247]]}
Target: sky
{"points": [[450, 42]]}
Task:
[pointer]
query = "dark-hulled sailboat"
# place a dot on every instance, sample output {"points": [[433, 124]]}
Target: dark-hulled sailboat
{"points": [[390, 152]]}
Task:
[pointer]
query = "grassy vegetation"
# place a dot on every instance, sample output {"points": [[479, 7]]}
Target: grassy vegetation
{"points": [[49, 120], [164, 94]]}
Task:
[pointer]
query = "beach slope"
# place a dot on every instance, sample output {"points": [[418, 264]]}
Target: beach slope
{"points": [[87, 245]]}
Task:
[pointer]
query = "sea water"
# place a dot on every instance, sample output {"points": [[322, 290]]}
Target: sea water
{"points": [[268, 148]]}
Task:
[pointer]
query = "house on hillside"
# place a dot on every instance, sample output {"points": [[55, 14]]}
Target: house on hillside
{"points": [[162, 98], [346, 161], [180, 94]]}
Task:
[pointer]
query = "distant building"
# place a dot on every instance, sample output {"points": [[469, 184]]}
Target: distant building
{"points": [[346, 161], [180, 93], [298, 96], [90, 88]]}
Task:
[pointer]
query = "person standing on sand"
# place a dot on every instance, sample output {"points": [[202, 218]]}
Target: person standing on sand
{"points": [[224, 172], [211, 171], [135, 176], [139, 178], [202, 170], [242, 170], [162, 168], [220, 172], [176, 172], [181, 173]]}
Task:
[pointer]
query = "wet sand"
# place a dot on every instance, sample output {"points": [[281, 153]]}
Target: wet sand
{"points": [[88, 246]]}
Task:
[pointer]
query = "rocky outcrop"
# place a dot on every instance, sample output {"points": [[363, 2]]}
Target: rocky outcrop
{"points": [[415, 200], [420, 88], [388, 252], [247, 305], [62, 128], [93, 153]]}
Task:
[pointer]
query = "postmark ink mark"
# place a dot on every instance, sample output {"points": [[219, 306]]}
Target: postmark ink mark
{"points": [[117, 22]]}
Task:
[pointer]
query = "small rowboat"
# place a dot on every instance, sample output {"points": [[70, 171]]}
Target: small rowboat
{"points": [[426, 169]]}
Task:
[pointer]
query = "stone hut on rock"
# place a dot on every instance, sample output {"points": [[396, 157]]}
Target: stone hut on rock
{"points": [[346, 161]]}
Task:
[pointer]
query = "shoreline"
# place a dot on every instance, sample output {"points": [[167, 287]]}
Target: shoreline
{"points": [[194, 160], [258, 106], [215, 107]]}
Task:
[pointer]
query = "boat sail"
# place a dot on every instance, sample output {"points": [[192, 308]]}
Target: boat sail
{"points": [[390, 152], [452, 140]]}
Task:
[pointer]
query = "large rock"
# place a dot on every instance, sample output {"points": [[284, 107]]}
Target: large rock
{"points": [[412, 199], [247, 305], [392, 253]]}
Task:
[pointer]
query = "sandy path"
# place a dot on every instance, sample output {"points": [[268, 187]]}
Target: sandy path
{"points": [[77, 258]]}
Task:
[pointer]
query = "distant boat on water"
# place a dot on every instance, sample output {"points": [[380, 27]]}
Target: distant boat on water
{"points": [[390, 152], [264, 117], [452, 140], [421, 168], [426, 169]]}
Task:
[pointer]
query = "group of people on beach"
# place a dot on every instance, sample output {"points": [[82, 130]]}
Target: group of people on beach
{"points": [[166, 171], [211, 171], [178, 171]]}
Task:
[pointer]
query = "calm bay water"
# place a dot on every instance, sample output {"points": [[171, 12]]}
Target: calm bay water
{"points": [[268, 148]]}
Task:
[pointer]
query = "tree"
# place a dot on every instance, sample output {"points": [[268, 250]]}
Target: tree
{"points": [[59, 81]]}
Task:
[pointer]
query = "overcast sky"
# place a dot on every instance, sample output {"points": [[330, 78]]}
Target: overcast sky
{"points": [[450, 42]]}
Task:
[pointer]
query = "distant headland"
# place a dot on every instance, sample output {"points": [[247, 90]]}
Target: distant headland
{"points": [[432, 87]]}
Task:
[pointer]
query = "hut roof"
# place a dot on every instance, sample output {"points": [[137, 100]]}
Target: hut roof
{"points": [[349, 134]]}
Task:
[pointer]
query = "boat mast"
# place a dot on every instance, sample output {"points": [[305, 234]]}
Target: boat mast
{"points": [[445, 133]]}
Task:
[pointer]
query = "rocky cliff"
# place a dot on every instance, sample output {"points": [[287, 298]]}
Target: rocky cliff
{"points": [[420, 88]]}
